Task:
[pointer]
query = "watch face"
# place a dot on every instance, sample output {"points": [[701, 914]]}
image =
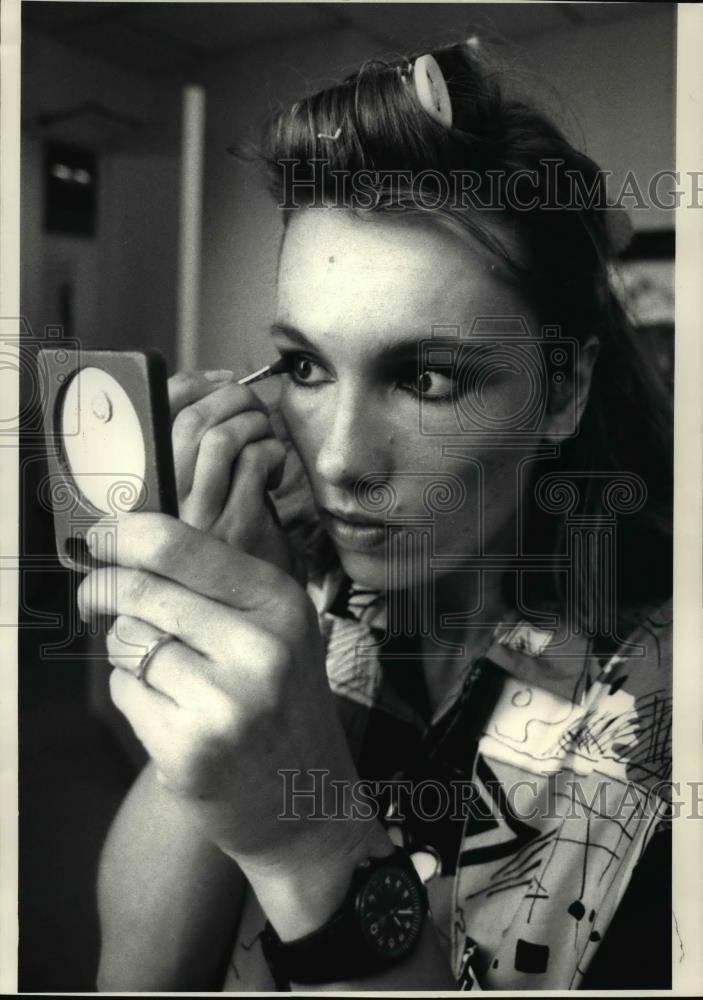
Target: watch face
{"points": [[391, 909]]}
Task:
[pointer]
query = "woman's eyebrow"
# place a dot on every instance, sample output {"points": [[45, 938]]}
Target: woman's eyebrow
{"points": [[392, 350], [292, 333]]}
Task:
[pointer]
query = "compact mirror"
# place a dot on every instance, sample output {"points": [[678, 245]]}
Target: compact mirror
{"points": [[107, 427], [108, 449]]}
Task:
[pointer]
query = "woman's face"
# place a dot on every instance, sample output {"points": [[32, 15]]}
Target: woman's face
{"points": [[356, 299]]}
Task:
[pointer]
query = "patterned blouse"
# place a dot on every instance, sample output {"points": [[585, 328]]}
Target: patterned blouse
{"points": [[527, 797]]}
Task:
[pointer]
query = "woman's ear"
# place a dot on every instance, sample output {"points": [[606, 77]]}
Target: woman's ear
{"points": [[569, 400]]}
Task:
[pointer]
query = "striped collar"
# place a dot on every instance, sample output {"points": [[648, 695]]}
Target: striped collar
{"points": [[547, 657]]}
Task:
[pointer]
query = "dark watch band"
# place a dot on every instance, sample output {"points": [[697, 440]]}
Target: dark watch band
{"points": [[352, 944]]}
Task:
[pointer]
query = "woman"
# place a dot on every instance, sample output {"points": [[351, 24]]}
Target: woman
{"points": [[477, 625]]}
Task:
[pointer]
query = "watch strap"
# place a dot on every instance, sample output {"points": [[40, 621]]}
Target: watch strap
{"points": [[337, 951]]}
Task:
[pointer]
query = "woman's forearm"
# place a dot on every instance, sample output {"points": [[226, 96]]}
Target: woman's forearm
{"points": [[168, 900], [303, 898]]}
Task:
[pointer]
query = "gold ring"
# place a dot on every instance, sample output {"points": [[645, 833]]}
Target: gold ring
{"points": [[149, 654]]}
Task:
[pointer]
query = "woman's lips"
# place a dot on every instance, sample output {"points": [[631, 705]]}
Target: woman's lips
{"points": [[350, 534]]}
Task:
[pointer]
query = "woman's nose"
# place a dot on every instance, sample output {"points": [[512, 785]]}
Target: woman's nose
{"points": [[353, 443]]}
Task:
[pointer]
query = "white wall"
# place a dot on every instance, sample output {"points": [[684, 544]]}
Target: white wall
{"points": [[616, 79], [124, 278]]}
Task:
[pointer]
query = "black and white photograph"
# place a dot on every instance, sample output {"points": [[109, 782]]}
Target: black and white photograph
{"points": [[351, 629]]}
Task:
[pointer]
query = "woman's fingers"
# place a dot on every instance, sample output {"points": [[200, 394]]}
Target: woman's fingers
{"points": [[175, 670], [154, 718], [194, 750], [231, 660], [218, 454], [164, 545], [259, 468], [221, 479], [210, 404], [185, 388], [127, 642], [203, 624]]}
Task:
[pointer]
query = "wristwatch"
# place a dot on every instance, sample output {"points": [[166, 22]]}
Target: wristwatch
{"points": [[378, 924]]}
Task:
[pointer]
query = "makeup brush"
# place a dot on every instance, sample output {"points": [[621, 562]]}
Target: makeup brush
{"points": [[277, 368]]}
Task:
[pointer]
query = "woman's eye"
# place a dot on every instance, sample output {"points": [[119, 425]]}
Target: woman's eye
{"points": [[430, 385], [304, 371]]}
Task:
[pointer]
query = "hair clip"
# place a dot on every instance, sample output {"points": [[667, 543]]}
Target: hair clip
{"points": [[431, 89], [405, 70], [332, 138]]}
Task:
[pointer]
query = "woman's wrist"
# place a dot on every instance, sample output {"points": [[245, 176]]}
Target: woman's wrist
{"points": [[301, 891]]}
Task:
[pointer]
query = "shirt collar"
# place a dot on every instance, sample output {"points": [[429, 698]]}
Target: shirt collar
{"points": [[552, 658]]}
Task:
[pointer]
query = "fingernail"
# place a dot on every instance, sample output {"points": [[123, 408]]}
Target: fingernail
{"points": [[218, 375]]}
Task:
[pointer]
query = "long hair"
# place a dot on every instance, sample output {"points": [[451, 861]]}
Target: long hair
{"points": [[564, 221]]}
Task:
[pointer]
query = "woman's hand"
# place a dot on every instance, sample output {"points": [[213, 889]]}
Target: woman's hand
{"points": [[239, 695], [226, 457]]}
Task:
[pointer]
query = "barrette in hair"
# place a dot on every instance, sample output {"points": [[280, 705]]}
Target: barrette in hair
{"points": [[332, 138], [431, 89]]}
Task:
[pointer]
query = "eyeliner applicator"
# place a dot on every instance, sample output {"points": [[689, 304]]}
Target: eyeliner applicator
{"points": [[277, 368]]}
